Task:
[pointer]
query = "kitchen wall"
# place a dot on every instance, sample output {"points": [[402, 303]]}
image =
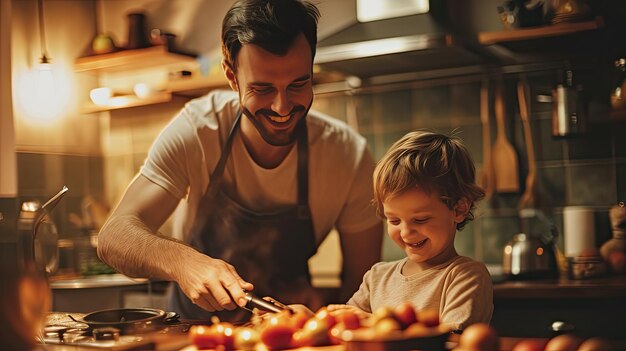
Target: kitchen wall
{"points": [[588, 170], [96, 155], [54, 144]]}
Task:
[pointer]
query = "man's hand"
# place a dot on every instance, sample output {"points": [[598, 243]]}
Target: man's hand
{"points": [[211, 283]]}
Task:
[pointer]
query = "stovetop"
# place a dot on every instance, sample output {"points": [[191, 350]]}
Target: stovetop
{"points": [[60, 330]]}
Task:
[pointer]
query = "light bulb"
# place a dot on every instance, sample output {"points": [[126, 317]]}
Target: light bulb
{"points": [[44, 89]]}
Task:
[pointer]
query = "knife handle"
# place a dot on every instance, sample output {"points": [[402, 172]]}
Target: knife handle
{"points": [[264, 305]]}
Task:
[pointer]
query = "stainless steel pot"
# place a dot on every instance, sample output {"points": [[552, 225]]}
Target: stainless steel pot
{"points": [[531, 256], [526, 257]]}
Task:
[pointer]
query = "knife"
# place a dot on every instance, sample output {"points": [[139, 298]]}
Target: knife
{"points": [[266, 304]]}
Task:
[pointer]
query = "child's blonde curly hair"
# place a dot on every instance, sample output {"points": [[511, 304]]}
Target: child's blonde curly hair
{"points": [[429, 161]]}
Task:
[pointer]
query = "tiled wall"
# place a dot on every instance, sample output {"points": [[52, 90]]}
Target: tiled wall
{"points": [[588, 170], [42, 175]]}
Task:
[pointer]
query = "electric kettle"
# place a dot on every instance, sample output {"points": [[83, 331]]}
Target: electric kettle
{"points": [[531, 255]]}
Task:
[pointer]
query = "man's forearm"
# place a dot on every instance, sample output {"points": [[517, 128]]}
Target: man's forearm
{"points": [[129, 246]]}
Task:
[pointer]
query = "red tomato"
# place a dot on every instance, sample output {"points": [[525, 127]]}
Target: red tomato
{"points": [[204, 337], [349, 319], [428, 317], [226, 332], [386, 326], [405, 314], [417, 329], [596, 344], [246, 338], [479, 336], [564, 342], [315, 332], [334, 334], [278, 333], [530, 345], [298, 319], [327, 317]]}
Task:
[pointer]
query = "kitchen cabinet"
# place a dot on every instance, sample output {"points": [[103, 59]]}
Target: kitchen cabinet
{"points": [[572, 42], [595, 307], [155, 60]]}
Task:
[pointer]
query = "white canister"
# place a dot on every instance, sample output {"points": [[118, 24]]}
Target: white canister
{"points": [[579, 230]]}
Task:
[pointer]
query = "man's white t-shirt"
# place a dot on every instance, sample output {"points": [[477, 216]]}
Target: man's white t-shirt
{"points": [[340, 168]]}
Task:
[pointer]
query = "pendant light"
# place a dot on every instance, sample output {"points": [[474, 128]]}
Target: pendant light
{"points": [[45, 79]]}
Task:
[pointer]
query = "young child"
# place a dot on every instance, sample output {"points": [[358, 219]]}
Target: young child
{"points": [[424, 187]]}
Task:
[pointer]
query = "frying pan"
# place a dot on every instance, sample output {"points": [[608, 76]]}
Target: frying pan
{"points": [[128, 320]]}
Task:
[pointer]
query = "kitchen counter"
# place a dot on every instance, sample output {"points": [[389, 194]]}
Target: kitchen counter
{"points": [[97, 281], [594, 307], [605, 287]]}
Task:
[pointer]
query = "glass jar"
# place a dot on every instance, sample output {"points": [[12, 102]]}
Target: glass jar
{"points": [[41, 247], [618, 92]]}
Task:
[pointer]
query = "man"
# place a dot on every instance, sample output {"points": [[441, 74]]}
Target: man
{"points": [[260, 180]]}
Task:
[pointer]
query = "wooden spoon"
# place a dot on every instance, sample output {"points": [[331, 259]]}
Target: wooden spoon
{"points": [[530, 198], [503, 154], [487, 178]]}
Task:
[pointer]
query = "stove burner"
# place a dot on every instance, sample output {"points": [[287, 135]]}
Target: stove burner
{"points": [[106, 333], [61, 330]]}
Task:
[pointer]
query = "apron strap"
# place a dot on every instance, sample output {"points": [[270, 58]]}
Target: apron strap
{"points": [[216, 177], [303, 172]]}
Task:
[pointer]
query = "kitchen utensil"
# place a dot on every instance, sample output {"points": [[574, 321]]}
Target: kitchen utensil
{"points": [[266, 304], [487, 179], [503, 154], [530, 197], [569, 108], [531, 255], [128, 320]]}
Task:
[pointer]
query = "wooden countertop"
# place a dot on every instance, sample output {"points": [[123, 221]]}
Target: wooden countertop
{"points": [[602, 287]]}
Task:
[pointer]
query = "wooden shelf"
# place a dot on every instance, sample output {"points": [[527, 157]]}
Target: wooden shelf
{"points": [[196, 86], [126, 101], [488, 38], [190, 87], [127, 60], [139, 59]]}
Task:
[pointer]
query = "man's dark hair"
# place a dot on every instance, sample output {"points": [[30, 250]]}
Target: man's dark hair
{"points": [[270, 24]]}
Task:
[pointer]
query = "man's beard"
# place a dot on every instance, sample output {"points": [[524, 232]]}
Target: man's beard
{"points": [[277, 139]]}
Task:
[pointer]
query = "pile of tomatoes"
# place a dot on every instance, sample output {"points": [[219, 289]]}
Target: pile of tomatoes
{"points": [[287, 330], [482, 337]]}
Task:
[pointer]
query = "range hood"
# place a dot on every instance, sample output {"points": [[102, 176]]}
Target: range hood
{"points": [[395, 44]]}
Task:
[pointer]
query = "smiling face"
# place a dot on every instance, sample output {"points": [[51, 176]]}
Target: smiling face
{"points": [[423, 227], [275, 92]]}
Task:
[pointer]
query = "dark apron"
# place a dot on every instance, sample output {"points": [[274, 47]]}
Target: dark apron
{"points": [[269, 250]]}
